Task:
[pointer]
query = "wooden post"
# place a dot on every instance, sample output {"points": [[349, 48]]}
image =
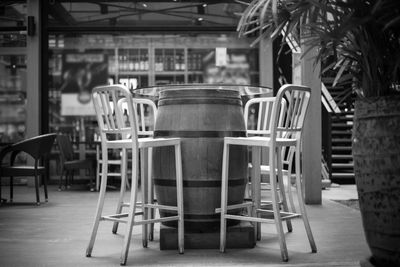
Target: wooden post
{"points": [[266, 63], [33, 71], [311, 164], [33, 63]]}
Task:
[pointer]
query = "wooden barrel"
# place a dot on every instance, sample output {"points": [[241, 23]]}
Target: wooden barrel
{"points": [[202, 118]]}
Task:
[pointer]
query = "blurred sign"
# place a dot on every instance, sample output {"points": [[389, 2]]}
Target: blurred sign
{"points": [[235, 68], [81, 73], [221, 56]]}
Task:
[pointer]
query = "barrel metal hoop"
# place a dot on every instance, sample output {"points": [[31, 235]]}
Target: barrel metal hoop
{"points": [[199, 183], [194, 101], [198, 217], [199, 134]]}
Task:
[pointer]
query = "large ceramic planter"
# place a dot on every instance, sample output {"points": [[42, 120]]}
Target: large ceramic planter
{"points": [[376, 153]]}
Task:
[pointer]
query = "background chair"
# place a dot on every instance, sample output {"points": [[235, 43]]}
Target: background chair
{"points": [[257, 114], [69, 164], [110, 121], [286, 135], [38, 148], [146, 112]]}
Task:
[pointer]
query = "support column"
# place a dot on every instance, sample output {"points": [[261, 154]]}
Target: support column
{"points": [[266, 63], [33, 43], [312, 140], [33, 74]]}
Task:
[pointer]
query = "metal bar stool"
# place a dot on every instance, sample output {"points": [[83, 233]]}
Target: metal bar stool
{"points": [[116, 135], [286, 135]]}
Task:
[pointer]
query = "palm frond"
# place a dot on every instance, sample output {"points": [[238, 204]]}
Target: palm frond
{"points": [[358, 37]]}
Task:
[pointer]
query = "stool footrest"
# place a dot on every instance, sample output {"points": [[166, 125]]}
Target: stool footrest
{"points": [[284, 215], [247, 218], [236, 206], [111, 174], [269, 203], [118, 217], [163, 219], [161, 207], [111, 161]]}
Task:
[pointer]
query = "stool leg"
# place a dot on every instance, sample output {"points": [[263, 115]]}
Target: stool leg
{"points": [[99, 162], [37, 189], [60, 182], [179, 198], [256, 188], [46, 195], [224, 196], [145, 182], [67, 174], [100, 203], [92, 173], [282, 188], [11, 189], [122, 188], [150, 191], [301, 202], [275, 204], [132, 210], [289, 189]]}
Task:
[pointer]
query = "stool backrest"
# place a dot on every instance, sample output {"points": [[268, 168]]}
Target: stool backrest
{"points": [[288, 121], [146, 113], [109, 115], [258, 113]]}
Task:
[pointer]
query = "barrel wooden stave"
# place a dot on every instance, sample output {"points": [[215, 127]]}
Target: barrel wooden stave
{"points": [[202, 127]]}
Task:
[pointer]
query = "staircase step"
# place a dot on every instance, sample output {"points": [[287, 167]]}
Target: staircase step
{"points": [[343, 165], [339, 156], [341, 148], [342, 175], [341, 140], [342, 125], [343, 118], [341, 132]]}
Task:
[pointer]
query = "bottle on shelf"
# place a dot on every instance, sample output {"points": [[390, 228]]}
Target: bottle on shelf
{"points": [[159, 64], [183, 65], [141, 62], [167, 62], [189, 61], [111, 64], [177, 62], [146, 61], [131, 65], [136, 60], [126, 118], [120, 58]]}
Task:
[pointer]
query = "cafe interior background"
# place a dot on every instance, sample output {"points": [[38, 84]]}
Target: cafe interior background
{"points": [[53, 52]]}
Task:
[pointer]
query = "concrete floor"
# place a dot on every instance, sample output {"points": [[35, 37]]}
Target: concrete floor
{"points": [[56, 234]]}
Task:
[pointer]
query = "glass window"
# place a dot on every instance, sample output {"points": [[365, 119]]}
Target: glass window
{"points": [[12, 71], [12, 98]]}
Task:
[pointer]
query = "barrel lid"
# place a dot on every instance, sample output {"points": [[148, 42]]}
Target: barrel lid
{"points": [[198, 92], [242, 90]]}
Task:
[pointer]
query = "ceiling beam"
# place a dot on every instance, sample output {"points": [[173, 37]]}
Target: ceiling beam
{"points": [[160, 1], [59, 13], [140, 29]]}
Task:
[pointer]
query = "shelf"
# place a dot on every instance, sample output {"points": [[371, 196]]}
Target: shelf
{"points": [[130, 73], [11, 121], [178, 72]]}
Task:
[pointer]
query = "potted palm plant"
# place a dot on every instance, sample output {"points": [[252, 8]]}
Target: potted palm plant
{"points": [[360, 41]]}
